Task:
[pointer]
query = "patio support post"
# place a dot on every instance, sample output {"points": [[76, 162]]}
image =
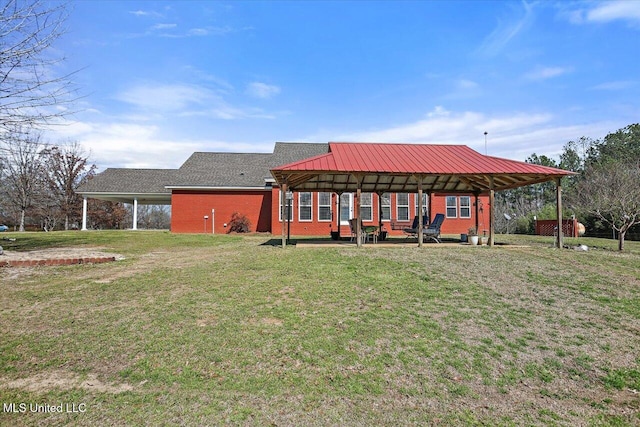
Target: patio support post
{"points": [[359, 215], [491, 212], [283, 210], [84, 213], [135, 213], [379, 212], [477, 205], [420, 210], [338, 214], [559, 239]]}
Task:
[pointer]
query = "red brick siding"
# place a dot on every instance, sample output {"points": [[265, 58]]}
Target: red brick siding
{"points": [[309, 228], [438, 205], [188, 209]]}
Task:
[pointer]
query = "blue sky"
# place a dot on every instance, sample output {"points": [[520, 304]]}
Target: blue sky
{"points": [[161, 80]]}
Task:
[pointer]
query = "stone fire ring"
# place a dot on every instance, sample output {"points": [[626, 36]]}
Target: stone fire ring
{"points": [[56, 256]]}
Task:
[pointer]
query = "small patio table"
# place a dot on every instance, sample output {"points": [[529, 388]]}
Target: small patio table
{"points": [[370, 229]]}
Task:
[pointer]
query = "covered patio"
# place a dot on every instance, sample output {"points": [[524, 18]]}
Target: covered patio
{"points": [[413, 168], [131, 186]]}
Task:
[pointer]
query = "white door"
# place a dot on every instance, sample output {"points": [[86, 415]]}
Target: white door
{"points": [[346, 208]]}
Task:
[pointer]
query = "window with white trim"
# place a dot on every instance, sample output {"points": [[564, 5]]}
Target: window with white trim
{"points": [[286, 208], [465, 207], [402, 206], [324, 206], [425, 207], [305, 206], [452, 207], [385, 206], [366, 206]]}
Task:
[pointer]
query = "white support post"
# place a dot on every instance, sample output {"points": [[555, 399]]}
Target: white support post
{"points": [[135, 214], [84, 214]]}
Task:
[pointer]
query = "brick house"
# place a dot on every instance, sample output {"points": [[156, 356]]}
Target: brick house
{"points": [[209, 187]]}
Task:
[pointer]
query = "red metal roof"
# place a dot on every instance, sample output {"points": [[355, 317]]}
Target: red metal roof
{"points": [[413, 159], [443, 161]]}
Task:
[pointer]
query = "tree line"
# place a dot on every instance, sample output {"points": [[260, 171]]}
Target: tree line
{"points": [[604, 194], [38, 184], [38, 180]]}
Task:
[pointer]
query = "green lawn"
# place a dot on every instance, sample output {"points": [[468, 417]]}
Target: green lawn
{"points": [[209, 330]]}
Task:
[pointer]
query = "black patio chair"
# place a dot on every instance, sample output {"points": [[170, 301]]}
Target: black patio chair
{"points": [[433, 230], [413, 231]]}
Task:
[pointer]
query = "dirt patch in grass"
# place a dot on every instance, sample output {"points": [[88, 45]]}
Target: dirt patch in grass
{"points": [[62, 380]]}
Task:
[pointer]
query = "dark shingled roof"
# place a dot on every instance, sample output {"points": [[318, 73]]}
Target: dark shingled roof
{"points": [[288, 152], [241, 169], [120, 180], [223, 170], [204, 170]]}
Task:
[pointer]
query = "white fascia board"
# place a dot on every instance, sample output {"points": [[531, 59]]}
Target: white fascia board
{"points": [[207, 187], [121, 194]]}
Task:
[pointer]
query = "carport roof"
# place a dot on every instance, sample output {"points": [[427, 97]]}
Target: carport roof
{"points": [[380, 167]]}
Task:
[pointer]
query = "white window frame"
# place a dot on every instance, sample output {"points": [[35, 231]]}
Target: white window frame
{"points": [[280, 207], [425, 202], [308, 207], [386, 197], [467, 207], [398, 206], [448, 206], [327, 205], [366, 210]]}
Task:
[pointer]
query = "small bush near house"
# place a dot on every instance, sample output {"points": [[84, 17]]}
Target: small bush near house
{"points": [[239, 223]]}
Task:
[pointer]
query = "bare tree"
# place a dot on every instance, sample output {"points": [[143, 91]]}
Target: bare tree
{"points": [[610, 192], [22, 170], [67, 167], [153, 217], [29, 88], [106, 215]]}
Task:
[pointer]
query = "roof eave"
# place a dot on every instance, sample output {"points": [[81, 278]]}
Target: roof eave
{"points": [[211, 187]]}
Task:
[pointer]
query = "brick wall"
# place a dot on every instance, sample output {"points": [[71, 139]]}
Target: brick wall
{"points": [[451, 225], [262, 209], [188, 209]]}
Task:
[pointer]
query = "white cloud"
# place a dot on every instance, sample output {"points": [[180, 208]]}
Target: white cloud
{"points": [[160, 27], [121, 144], [227, 112], [616, 85], [168, 97], [463, 89], [543, 73], [140, 12], [605, 12], [505, 31], [514, 136], [154, 101], [466, 84], [207, 31], [262, 90], [615, 10], [198, 32]]}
